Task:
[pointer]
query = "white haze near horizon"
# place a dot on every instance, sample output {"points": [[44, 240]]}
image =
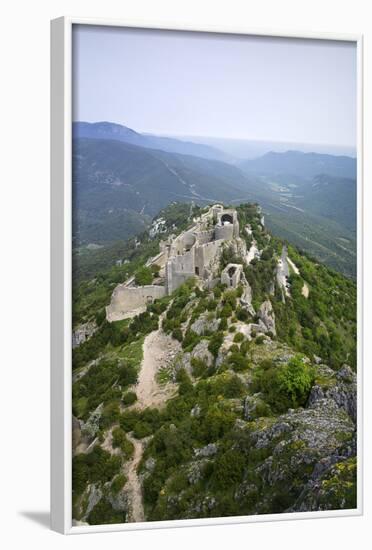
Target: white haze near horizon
{"points": [[247, 93]]}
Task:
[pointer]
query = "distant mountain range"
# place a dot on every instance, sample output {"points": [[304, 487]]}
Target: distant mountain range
{"points": [[109, 130], [303, 165], [121, 179], [118, 187]]}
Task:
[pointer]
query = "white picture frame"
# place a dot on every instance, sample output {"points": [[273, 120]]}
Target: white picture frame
{"points": [[61, 268]]}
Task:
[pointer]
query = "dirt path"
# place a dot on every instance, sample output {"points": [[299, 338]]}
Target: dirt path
{"points": [[133, 485], [159, 350]]}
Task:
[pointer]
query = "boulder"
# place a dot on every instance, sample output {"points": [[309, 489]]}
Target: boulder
{"points": [[267, 316], [207, 451]]}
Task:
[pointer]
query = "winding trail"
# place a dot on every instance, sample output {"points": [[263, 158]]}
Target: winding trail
{"points": [[159, 350], [133, 485]]}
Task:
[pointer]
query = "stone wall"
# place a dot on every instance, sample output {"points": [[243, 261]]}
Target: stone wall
{"points": [[125, 301], [231, 275], [193, 253], [225, 232], [206, 255], [205, 236], [179, 269]]}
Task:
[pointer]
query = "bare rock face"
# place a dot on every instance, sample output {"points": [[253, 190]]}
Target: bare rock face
{"points": [[94, 496], [119, 502], [298, 448], [246, 297], [331, 487], [267, 316], [76, 432], [204, 326], [150, 464], [91, 426], [340, 387], [207, 451], [200, 351], [195, 471], [254, 407], [83, 333]]}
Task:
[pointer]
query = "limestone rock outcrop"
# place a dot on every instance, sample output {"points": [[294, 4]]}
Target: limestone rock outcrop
{"points": [[267, 316]]}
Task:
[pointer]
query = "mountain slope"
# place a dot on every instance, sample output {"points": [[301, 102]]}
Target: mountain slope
{"points": [[109, 130], [119, 187], [302, 165], [331, 197], [253, 412], [116, 183]]}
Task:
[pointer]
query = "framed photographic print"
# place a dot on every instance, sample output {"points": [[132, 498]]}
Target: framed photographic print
{"points": [[206, 276]]}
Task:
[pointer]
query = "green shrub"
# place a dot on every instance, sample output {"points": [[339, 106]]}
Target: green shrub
{"points": [[199, 367], [155, 269], [229, 298], [118, 483], [96, 466], [238, 362], [110, 414], [215, 343], [217, 293], [128, 420], [223, 324], [226, 311], [242, 314], [212, 305], [285, 386], [260, 339], [141, 430], [190, 340], [177, 334], [143, 276], [129, 398], [100, 316], [234, 387], [218, 421], [239, 337], [119, 439], [184, 381], [234, 348], [104, 513], [228, 470], [245, 347]]}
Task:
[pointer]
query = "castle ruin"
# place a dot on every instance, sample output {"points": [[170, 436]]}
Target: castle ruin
{"points": [[193, 253]]}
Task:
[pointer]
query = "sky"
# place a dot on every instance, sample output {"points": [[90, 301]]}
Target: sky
{"points": [[203, 84]]}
